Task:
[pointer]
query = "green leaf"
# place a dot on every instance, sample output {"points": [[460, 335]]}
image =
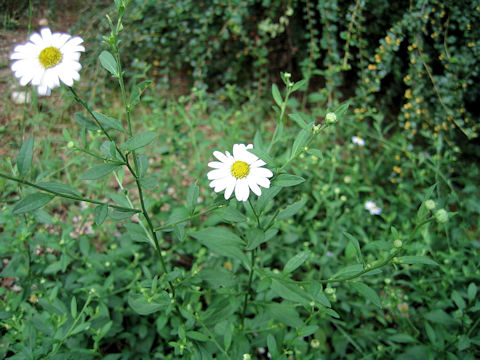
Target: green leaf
{"points": [[298, 85], [284, 180], [148, 182], [138, 141], [284, 313], [267, 196], [230, 214], [73, 307], [471, 291], [85, 122], [440, 317], [263, 155], [227, 336], [25, 156], [109, 63], [463, 343], [416, 260], [192, 196], [291, 292], [316, 152], [347, 271], [291, 209], [272, 346], [145, 306], [196, 335], [222, 241], [79, 328], [276, 95], [457, 298], [342, 109], [99, 171], [218, 278], [296, 261], [300, 142], [255, 237], [101, 212], [402, 338], [367, 292], [354, 242], [142, 162], [32, 202], [307, 330], [109, 122], [137, 91], [299, 120], [59, 188], [120, 214]]}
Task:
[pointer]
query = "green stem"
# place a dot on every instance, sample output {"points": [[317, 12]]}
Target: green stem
{"points": [[283, 107], [249, 288], [98, 156], [305, 148], [212, 336], [58, 345], [85, 105], [169, 225], [385, 261], [72, 197]]}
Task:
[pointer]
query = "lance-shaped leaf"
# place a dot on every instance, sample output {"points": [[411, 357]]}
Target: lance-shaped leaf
{"points": [[32, 202], [25, 156]]}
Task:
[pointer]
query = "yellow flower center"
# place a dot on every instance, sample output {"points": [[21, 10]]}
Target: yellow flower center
{"points": [[240, 169], [49, 57]]}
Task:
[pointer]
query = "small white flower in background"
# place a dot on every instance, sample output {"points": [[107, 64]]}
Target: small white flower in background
{"points": [[18, 97], [241, 173], [46, 59], [373, 208], [358, 140]]}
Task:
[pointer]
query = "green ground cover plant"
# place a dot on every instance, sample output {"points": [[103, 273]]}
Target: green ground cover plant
{"points": [[116, 244]]}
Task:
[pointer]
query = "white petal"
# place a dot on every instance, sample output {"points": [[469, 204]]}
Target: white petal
{"points": [[241, 190], [49, 78], [240, 153], [229, 189], [39, 71], [261, 172], [220, 156], [65, 76], [36, 39], [59, 40], [220, 184], [216, 164], [218, 173], [70, 56], [258, 163], [74, 41], [43, 90], [20, 66], [26, 78], [46, 35], [253, 186], [263, 182], [24, 51]]}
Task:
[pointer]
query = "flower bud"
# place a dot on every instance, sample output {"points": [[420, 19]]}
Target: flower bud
{"points": [[331, 118], [430, 204], [441, 216]]}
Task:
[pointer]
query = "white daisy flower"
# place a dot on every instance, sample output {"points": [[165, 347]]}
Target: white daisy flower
{"points": [[241, 172], [358, 140], [46, 59], [373, 208]]}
